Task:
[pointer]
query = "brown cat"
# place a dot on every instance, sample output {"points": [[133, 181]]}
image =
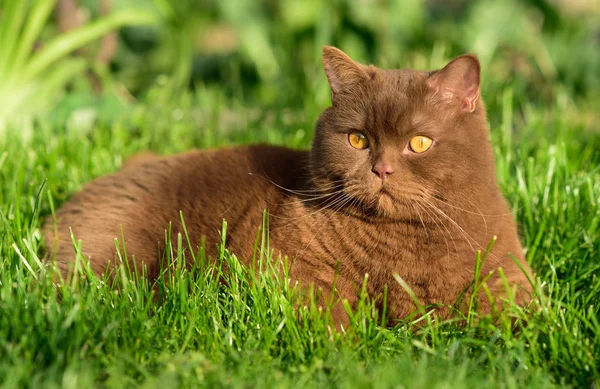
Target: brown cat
{"points": [[400, 180]]}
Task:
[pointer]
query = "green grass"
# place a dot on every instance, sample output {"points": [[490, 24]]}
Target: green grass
{"points": [[240, 334]]}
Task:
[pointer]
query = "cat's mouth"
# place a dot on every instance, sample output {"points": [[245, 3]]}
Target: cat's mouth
{"points": [[392, 202], [381, 199], [383, 191], [385, 199], [382, 202]]}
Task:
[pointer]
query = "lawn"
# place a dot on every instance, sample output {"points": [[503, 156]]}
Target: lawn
{"points": [[206, 333]]}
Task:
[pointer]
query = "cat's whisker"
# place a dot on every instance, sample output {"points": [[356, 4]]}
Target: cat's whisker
{"points": [[467, 211], [470, 239], [320, 192], [441, 223], [344, 201], [422, 223], [480, 247], [300, 192], [479, 213], [323, 196], [328, 206]]}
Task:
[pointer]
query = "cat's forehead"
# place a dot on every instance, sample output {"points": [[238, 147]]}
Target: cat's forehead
{"points": [[397, 95], [399, 86], [392, 98], [401, 78]]}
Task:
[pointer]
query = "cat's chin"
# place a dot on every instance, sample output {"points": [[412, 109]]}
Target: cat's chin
{"points": [[391, 204], [383, 205], [387, 205], [377, 201]]}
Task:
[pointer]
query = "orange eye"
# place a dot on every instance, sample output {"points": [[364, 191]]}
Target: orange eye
{"points": [[358, 140], [420, 143]]}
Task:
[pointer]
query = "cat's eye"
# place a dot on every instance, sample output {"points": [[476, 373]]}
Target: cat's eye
{"points": [[358, 140], [420, 143]]}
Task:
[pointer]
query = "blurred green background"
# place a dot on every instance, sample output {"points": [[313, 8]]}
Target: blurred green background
{"points": [[80, 61]]}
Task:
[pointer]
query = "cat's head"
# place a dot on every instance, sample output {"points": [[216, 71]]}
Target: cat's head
{"points": [[394, 138]]}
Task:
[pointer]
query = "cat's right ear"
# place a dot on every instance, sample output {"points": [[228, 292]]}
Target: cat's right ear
{"points": [[458, 81], [342, 72]]}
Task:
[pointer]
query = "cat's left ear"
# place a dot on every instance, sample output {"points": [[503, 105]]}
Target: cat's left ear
{"points": [[343, 74], [458, 81]]}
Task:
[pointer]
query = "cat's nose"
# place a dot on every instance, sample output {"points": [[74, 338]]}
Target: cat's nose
{"points": [[382, 169]]}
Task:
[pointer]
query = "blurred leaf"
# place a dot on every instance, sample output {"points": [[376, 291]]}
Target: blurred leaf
{"points": [[252, 24], [299, 15], [30, 79], [74, 39]]}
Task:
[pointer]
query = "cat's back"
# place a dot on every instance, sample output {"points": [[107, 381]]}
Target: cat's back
{"points": [[151, 192]]}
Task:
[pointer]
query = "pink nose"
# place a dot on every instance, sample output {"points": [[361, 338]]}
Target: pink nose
{"points": [[382, 169]]}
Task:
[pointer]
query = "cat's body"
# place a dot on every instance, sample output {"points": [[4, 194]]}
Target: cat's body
{"points": [[337, 212]]}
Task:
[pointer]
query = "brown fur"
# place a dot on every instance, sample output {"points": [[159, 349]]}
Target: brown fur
{"points": [[328, 212]]}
